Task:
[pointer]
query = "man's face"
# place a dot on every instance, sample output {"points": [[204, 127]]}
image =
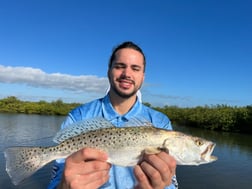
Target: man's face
{"points": [[126, 74]]}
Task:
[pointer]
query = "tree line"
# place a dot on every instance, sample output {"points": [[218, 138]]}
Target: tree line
{"points": [[216, 117], [14, 105]]}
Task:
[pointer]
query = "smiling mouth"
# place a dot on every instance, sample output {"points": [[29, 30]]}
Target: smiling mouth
{"points": [[123, 80], [125, 83]]}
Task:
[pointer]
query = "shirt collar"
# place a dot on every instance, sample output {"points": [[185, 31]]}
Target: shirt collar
{"points": [[110, 114]]}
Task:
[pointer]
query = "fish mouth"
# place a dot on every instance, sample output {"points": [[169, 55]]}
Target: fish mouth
{"points": [[206, 155]]}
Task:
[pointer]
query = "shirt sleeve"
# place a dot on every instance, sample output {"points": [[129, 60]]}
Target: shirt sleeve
{"points": [[58, 165], [57, 170], [76, 114]]}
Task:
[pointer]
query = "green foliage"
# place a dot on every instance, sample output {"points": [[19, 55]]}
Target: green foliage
{"points": [[13, 105], [219, 117]]}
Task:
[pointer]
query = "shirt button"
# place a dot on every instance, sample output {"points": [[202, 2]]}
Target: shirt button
{"points": [[124, 119]]}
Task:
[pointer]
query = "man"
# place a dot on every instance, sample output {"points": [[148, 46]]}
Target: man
{"points": [[87, 168]]}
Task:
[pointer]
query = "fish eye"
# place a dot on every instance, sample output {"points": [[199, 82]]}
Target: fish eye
{"points": [[198, 142]]}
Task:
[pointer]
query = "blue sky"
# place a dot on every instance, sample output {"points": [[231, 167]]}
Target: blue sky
{"points": [[198, 52]]}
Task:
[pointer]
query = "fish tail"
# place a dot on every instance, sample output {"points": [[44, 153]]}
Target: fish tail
{"points": [[22, 162]]}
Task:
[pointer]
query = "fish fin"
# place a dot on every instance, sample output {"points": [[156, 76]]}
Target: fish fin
{"points": [[138, 121], [164, 149], [81, 127], [18, 164], [152, 150]]}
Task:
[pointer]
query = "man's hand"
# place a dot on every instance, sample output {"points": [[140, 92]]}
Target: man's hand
{"points": [[86, 168], [155, 171]]}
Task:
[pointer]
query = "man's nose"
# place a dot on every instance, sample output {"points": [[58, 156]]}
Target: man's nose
{"points": [[127, 72]]}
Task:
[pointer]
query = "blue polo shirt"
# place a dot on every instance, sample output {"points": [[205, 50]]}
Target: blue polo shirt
{"points": [[120, 177]]}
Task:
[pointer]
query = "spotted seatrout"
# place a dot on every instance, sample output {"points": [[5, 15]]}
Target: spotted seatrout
{"points": [[124, 146]]}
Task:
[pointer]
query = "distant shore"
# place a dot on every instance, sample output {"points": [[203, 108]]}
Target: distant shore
{"points": [[218, 117]]}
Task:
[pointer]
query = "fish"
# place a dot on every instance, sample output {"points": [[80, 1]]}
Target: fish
{"points": [[124, 146]]}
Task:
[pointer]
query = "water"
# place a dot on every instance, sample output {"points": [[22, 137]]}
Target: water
{"points": [[21, 129], [232, 170]]}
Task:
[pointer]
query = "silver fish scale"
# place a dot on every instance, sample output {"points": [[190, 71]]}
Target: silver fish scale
{"points": [[103, 139], [93, 124]]}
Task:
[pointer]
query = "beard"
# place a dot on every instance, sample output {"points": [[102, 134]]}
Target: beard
{"points": [[121, 93]]}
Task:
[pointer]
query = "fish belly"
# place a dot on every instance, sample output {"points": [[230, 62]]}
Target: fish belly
{"points": [[124, 157]]}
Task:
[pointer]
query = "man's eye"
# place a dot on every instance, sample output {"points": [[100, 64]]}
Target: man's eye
{"points": [[136, 69], [118, 66]]}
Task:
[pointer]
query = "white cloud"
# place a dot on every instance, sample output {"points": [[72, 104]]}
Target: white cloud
{"points": [[38, 78]]}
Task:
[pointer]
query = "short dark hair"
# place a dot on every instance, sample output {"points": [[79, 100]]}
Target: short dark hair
{"points": [[127, 44]]}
